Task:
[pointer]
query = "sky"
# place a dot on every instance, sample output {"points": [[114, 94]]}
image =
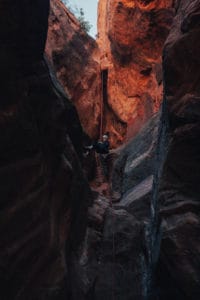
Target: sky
{"points": [[90, 10]]}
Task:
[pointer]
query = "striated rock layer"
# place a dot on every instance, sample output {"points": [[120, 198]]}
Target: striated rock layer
{"points": [[131, 35], [74, 57], [118, 81], [44, 196], [179, 265]]}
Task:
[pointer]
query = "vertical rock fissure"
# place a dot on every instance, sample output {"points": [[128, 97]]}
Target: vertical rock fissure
{"points": [[104, 97]]}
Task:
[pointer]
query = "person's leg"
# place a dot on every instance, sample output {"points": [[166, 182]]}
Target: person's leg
{"points": [[104, 166]]}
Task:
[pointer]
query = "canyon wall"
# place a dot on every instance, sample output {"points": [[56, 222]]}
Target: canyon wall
{"points": [[74, 57], [119, 78], [131, 35], [44, 196], [178, 271]]}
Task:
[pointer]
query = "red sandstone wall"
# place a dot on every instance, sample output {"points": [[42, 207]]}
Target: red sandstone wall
{"points": [[74, 56], [131, 37]]}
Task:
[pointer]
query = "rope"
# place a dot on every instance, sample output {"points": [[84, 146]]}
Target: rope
{"points": [[101, 107]]}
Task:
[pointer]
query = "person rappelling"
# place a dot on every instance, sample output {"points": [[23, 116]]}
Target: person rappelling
{"points": [[102, 151], [102, 147]]}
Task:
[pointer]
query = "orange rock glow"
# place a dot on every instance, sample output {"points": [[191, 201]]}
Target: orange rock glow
{"points": [[118, 79], [131, 35]]}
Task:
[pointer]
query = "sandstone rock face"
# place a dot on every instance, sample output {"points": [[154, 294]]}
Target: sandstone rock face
{"points": [[124, 262], [179, 272], [114, 260], [44, 196], [131, 37], [118, 81], [124, 269], [136, 161], [74, 57]]}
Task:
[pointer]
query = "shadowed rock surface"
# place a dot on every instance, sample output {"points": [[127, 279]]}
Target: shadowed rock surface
{"points": [[136, 161], [52, 247], [114, 260], [44, 196], [179, 265]]}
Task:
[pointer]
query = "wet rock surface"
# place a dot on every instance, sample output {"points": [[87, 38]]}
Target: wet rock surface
{"points": [[178, 269]]}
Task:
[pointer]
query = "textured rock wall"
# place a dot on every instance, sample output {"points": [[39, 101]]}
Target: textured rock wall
{"points": [[178, 269], [133, 177], [74, 57], [131, 41], [115, 260], [44, 196]]}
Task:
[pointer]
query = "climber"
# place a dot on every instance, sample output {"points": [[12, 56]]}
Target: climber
{"points": [[103, 147], [102, 150]]}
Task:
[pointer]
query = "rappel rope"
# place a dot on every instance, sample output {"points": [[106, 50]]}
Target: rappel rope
{"points": [[100, 175], [101, 108]]}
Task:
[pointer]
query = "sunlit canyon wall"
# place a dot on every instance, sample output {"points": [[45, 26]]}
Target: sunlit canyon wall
{"points": [[131, 35], [118, 79]]}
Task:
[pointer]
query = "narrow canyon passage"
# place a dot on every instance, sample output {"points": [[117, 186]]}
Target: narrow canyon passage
{"points": [[121, 223]]}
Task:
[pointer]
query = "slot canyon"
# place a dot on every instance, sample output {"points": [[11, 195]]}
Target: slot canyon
{"points": [[68, 229]]}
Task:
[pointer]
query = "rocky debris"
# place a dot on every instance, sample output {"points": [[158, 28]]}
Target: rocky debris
{"points": [[131, 35], [178, 269], [74, 56], [44, 196]]}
